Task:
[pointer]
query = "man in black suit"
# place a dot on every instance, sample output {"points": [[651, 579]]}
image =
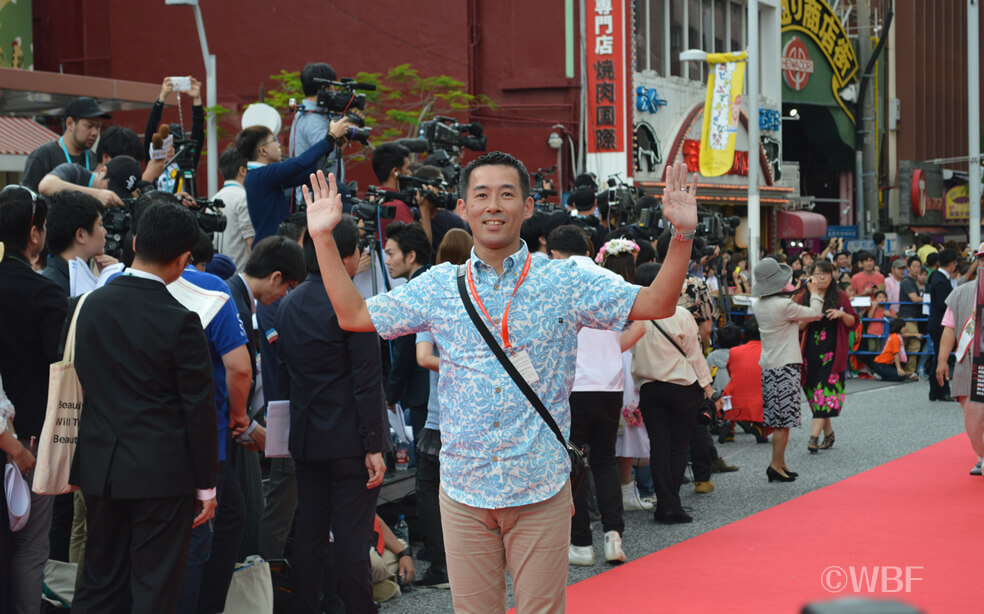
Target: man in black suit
{"points": [[939, 287], [337, 434], [147, 434], [408, 254], [275, 265], [32, 310]]}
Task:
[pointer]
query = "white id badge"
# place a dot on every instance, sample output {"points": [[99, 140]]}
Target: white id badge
{"points": [[521, 360]]}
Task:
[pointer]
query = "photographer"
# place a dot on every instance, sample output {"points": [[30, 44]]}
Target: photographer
{"points": [[163, 176], [581, 205], [310, 126], [237, 239], [268, 176], [118, 179], [83, 121], [389, 161], [435, 220]]}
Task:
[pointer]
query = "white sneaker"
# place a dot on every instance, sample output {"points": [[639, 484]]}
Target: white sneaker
{"points": [[584, 555], [613, 548], [977, 469], [631, 501]]}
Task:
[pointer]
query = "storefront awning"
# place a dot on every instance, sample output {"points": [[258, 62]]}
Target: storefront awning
{"points": [[36, 92], [801, 225], [20, 136], [723, 194]]}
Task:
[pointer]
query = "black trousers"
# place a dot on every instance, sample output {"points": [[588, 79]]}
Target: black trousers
{"points": [[935, 390], [428, 501], [594, 421], [138, 546], [702, 452], [60, 535], [229, 525], [670, 414], [332, 497]]}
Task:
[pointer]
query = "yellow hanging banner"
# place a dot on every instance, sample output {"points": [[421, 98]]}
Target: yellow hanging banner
{"points": [[722, 109]]}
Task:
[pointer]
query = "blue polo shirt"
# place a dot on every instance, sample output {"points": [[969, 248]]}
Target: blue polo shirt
{"points": [[224, 333]]}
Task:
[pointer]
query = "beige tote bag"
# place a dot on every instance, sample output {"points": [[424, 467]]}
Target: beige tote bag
{"points": [[60, 432]]}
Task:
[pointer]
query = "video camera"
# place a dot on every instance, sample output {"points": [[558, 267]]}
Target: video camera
{"points": [[343, 103], [540, 191], [413, 186], [374, 209], [209, 215], [118, 221], [447, 134]]}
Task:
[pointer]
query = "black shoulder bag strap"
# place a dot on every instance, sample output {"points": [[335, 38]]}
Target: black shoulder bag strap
{"points": [[504, 360], [669, 338]]}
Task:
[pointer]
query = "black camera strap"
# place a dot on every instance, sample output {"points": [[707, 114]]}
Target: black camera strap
{"points": [[504, 360]]}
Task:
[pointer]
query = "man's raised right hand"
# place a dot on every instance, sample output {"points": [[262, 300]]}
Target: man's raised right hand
{"points": [[324, 205]]}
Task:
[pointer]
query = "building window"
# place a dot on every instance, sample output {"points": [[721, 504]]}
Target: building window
{"points": [[664, 28]]}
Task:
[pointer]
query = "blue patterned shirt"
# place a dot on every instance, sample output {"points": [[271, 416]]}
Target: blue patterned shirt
{"points": [[496, 449]]}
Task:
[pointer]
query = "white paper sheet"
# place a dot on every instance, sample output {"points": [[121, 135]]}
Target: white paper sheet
{"points": [[278, 429]]}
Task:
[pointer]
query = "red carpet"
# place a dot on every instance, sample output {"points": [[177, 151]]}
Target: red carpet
{"points": [[922, 511]]}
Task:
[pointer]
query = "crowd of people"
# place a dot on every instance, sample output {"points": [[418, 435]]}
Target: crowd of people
{"points": [[185, 337]]}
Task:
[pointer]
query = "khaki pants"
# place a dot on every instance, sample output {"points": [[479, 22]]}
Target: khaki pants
{"points": [[912, 344], [384, 570], [531, 541]]}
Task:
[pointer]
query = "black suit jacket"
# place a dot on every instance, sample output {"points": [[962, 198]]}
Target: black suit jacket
{"points": [[408, 382], [32, 312], [241, 296], [57, 271], [939, 288], [332, 377], [148, 423]]}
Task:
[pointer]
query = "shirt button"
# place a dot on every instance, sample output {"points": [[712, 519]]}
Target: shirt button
{"points": [[495, 287], [496, 320], [495, 459], [498, 390], [495, 424]]}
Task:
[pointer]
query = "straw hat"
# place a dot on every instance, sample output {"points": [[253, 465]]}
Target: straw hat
{"points": [[770, 277]]}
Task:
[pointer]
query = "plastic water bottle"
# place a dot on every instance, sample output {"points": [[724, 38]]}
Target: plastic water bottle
{"points": [[401, 530], [402, 456]]}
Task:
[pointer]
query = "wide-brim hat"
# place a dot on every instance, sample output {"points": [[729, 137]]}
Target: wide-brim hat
{"points": [[770, 277], [18, 497]]}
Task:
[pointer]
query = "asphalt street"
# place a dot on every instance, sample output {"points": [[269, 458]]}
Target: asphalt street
{"points": [[881, 422]]}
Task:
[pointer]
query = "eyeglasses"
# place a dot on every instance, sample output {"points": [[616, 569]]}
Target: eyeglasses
{"points": [[34, 198], [271, 142]]}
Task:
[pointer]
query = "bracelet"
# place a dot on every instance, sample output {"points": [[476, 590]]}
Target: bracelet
{"points": [[682, 236], [406, 552]]}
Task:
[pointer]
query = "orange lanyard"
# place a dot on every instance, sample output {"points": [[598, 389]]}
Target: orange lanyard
{"points": [[504, 332]]}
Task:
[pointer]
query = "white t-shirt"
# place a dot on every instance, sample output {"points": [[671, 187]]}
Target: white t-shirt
{"points": [[599, 356], [239, 228]]}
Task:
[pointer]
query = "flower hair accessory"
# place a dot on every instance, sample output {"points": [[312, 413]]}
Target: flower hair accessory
{"points": [[616, 247]]}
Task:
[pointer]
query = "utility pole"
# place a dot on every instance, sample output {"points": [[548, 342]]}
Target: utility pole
{"points": [[974, 120], [866, 166]]}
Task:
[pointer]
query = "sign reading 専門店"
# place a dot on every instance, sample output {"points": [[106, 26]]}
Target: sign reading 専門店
{"points": [[605, 49], [820, 24]]}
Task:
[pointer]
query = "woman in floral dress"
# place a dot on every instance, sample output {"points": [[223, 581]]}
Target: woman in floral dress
{"points": [[825, 352]]}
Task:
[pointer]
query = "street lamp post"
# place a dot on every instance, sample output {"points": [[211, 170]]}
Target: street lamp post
{"points": [[212, 140], [754, 217], [974, 121]]}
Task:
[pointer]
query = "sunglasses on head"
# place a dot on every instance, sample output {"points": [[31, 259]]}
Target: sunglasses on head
{"points": [[34, 198]]}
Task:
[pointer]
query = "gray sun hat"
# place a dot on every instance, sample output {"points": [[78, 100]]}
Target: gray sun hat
{"points": [[770, 277]]}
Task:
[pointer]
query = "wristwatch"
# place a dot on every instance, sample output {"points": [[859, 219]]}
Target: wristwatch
{"points": [[405, 552], [682, 236]]}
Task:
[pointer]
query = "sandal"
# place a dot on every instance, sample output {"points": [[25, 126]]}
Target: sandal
{"points": [[828, 442], [812, 445]]}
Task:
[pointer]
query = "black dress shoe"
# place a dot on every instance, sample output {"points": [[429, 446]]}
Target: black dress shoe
{"points": [[773, 475], [433, 578], [678, 517], [945, 397]]}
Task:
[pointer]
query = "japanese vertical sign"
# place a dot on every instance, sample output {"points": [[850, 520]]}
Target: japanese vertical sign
{"points": [[972, 330], [606, 85], [722, 109]]}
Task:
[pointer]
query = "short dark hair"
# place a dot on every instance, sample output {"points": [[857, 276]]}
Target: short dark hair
{"points": [[862, 256], [203, 251], [346, 237], [386, 157], [17, 206], [896, 325], [316, 70], [947, 256], [925, 240], [601, 200], [646, 274], [728, 336], [932, 259], [230, 161], [496, 158], [911, 259], [248, 141], [428, 171], [274, 254], [752, 329], [69, 211], [119, 141], [878, 237], [166, 230], [294, 226], [568, 239], [411, 238], [582, 199]]}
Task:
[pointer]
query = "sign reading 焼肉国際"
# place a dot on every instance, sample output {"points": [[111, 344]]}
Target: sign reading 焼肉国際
{"points": [[605, 41], [820, 24]]}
